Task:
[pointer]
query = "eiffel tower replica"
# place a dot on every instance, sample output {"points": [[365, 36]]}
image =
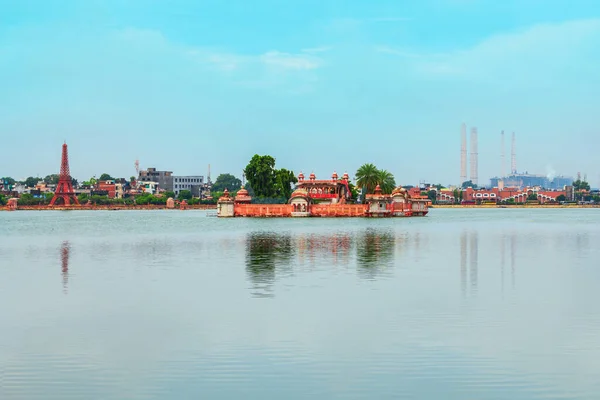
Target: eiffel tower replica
{"points": [[64, 189]]}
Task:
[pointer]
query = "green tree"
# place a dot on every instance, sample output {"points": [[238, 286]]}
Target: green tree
{"points": [[386, 181], [283, 183], [7, 180], [106, 177], [561, 198], [353, 191], [185, 195], [581, 185], [468, 184], [226, 181], [260, 173], [31, 181], [3, 200], [367, 178], [51, 179], [432, 195], [168, 194], [532, 197]]}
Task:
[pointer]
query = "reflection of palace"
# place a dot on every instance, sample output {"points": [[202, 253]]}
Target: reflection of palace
{"points": [[65, 249], [271, 255], [327, 198], [375, 251]]}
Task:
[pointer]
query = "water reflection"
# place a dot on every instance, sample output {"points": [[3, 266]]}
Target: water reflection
{"points": [[271, 255], [469, 255], [65, 250], [374, 252], [265, 251]]}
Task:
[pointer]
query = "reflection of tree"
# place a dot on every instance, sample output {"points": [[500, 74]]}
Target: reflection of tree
{"points": [[374, 251], [65, 249], [266, 252]]}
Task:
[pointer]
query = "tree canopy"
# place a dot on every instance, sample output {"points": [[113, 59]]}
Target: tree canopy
{"points": [[468, 184], [260, 173], [106, 177], [226, 181], [581, 185], [185, 195], [7, 180], [51, 179], [283, 183], [368, 177], [31, 181]]}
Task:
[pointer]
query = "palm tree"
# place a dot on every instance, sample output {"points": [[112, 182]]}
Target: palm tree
{"points": [[386, 181], [367, 177]]}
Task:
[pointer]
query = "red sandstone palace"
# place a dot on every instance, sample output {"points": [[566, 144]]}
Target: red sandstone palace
{"points": [[326, 198]]}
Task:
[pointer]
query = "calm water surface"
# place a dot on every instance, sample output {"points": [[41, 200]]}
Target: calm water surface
{"points": [[462, 304]]}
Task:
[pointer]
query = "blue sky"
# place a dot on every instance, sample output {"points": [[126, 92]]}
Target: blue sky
{"points": [[320, 85]]}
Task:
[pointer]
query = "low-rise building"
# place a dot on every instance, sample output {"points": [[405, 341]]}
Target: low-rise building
{"points": [[193, 183], [164, 179]]}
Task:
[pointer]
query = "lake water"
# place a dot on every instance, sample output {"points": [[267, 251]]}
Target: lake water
{"points": [[461, 304]]}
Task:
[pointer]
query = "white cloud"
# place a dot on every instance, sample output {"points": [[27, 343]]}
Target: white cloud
{"points": [[290, 61], [535, 51]]}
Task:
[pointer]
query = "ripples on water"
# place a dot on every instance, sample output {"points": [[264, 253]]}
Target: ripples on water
{"points": [[463, 304]]}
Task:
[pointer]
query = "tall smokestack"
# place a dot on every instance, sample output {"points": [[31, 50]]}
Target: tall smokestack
{"points": [[463, 153], [502, 158], [474, 157], [513, 155]]}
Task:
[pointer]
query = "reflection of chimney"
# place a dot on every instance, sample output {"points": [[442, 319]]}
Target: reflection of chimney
{"points": [[463, 262], [463, 153], [474, 260], [474, 156]]}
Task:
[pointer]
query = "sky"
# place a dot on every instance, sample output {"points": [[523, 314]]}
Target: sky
{"points": [[321, 85]]}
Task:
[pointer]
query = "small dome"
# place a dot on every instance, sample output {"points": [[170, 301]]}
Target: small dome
{"points": [[312, 176], [242, 192], [345, 176], [334, 176], [300, 176], [378, 190]]}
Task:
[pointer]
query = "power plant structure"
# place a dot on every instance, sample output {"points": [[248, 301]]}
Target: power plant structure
{"points": [[474, 155], [463, 153], [513, 155]]}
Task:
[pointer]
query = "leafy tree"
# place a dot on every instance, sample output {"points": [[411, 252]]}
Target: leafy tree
{"points": [[132, 179], [283, 182], [353, 190], [106, 177], [51, 179], [185, 195], [31, 181], [432, 195], [532, 197], [367, 177], [581, 185], [561, 198], [7, 180], [168, 194], [386, 181], [260, 173], [226, 181], [468, 184], [83, 198], [3, 200]]}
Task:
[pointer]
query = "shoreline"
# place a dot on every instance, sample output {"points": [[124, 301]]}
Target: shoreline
{"points": [[516, 206], [113, 207]]}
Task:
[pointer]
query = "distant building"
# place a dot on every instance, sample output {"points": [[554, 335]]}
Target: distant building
{"points": [[194, 184], [164, 179], [528, 180], [106, 186]]}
